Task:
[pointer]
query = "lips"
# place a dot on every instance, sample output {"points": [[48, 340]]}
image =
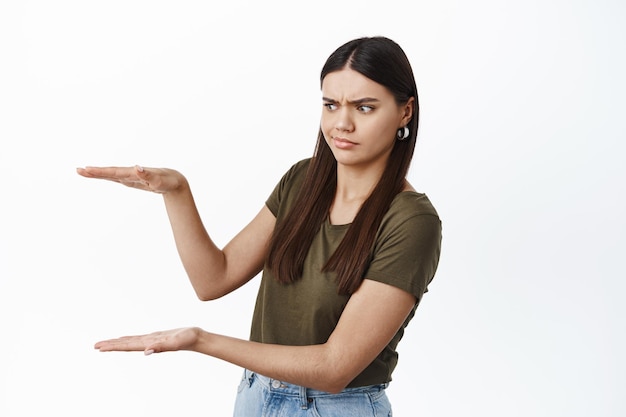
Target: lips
{"points": [[343, 143]]}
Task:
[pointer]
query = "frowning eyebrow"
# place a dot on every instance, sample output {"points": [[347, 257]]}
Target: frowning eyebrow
{"points": [[353, 102]]}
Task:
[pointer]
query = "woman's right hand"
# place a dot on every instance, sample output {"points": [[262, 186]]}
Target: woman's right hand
{"points": [[157, 180]]}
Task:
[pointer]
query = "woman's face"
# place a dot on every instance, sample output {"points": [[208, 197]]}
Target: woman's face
{"points": [[360, 119]]}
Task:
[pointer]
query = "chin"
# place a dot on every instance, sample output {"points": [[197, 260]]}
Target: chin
{"points": [[348, 160]]}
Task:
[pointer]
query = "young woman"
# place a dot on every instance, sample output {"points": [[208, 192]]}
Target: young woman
{"points": [[346, 245]]}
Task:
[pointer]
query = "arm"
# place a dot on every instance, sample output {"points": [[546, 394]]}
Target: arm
{"points": [[211, 270], [214, 272], [370, 320]]}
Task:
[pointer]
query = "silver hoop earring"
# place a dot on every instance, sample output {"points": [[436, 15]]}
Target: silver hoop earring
{"points": [[402, 133]]}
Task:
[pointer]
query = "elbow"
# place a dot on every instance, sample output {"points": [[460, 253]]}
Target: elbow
{"points": [[339, 367], [208, 295], [336, 378], [205, 297], [335, 389], [325, 375], [208, 289], [335, 384]]}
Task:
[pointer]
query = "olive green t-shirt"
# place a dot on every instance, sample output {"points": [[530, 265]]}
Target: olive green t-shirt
{"points": [[405, 255]]}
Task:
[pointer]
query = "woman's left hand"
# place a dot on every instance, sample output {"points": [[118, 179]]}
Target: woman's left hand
{"points": [[165, 341]]}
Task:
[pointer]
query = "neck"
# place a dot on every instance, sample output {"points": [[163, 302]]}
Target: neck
{"points": [[354, 184]]}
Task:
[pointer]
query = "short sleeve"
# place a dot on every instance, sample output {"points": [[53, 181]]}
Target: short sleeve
{"points": [[290, 181], [408, 245]]}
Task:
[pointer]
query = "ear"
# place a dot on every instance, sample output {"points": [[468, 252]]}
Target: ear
{"points": [[407, 111]]}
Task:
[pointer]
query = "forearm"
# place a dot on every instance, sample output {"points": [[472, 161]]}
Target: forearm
{"points": [[373, 315], [212, 271], [321, 367], [203, 261]]}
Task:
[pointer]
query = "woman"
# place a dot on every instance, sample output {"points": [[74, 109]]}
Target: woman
{"points": [[346, 245]]}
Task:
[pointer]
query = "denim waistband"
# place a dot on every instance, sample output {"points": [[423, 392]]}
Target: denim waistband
{"points": [[297, 390]]}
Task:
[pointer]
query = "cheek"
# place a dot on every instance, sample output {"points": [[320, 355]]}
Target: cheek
{"points": [[389, 127], [380, 129], [325, 127]]}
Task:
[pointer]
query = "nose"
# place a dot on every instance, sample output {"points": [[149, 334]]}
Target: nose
{"points": [[344, 122]]}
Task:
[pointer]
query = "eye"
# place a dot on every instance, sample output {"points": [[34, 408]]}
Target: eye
{"points": [[365, 109], [330, 106]]}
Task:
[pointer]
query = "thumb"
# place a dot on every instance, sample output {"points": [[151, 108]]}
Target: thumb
{"points": [[143, 175], [141, 172]]}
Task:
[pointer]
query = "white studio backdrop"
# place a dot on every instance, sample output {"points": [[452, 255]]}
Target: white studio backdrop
{"points": [[521, 149]]}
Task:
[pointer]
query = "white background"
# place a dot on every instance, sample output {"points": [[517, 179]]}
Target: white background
{"points": [[521, 149]]}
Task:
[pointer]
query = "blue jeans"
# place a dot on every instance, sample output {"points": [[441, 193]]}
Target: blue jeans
{"points": [[260, 396]]}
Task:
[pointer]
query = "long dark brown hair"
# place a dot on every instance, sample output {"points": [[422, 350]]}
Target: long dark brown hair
{"points": [[384, 62]]}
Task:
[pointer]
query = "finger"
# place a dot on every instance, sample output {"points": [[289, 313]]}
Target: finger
{"points": [[157, 180], [134, 177], [108, 173], [123, 344], [144, 175], [154, 348], [164, 345]]}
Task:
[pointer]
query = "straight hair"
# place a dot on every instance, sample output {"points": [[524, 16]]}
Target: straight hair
{"points": [[384, 62]]}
